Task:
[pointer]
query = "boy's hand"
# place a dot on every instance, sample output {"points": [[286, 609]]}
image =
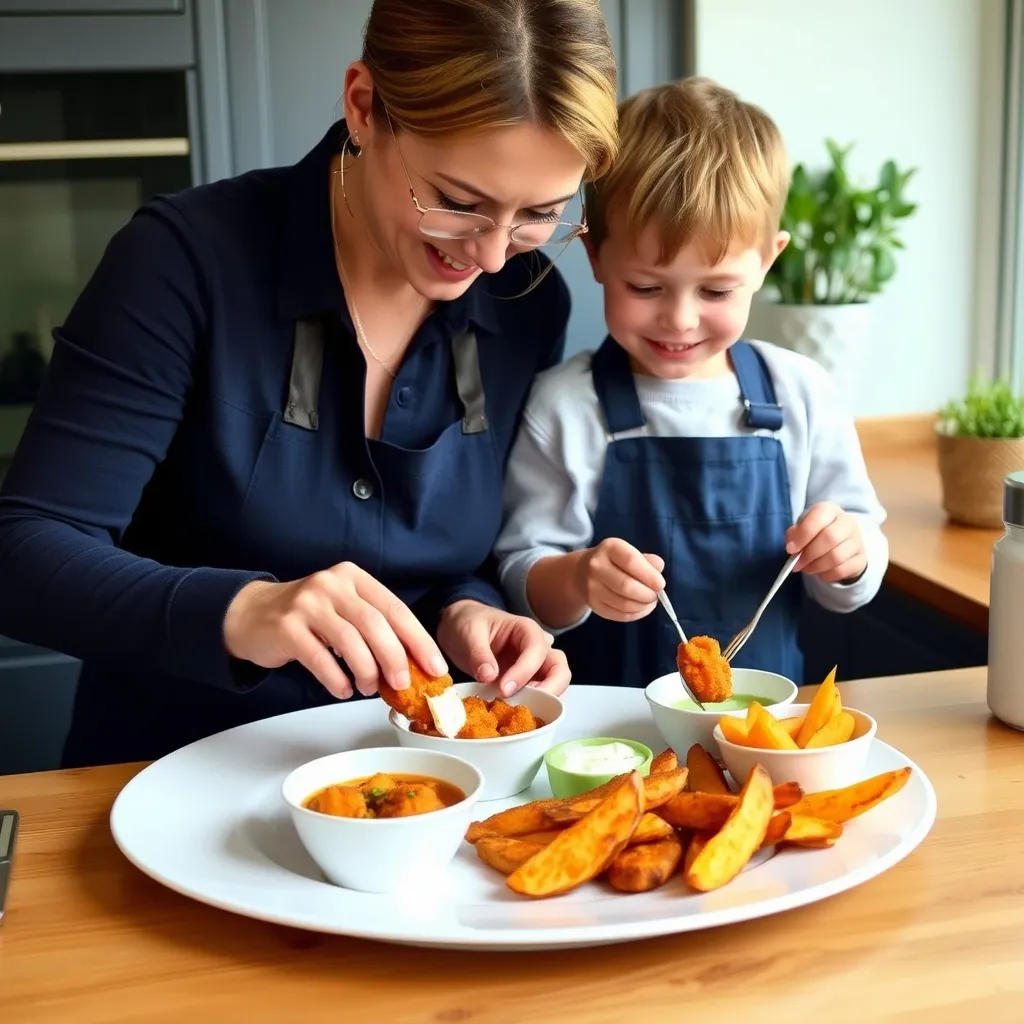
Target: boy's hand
{"points": [[830, 544], [619, 582]]}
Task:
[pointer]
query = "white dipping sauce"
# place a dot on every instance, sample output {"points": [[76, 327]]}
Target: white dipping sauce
{"points": [[601, 759], [448, 712]]}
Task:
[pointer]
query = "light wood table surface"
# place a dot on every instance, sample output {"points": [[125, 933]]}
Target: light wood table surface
{"points": [[88, 938], [940, 563]]}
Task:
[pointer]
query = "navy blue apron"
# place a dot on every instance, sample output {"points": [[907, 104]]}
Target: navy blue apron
{"points": [[127, 714], [715, 508]]}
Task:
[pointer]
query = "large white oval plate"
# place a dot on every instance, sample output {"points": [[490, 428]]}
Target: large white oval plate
{"points": [[208, 821]]}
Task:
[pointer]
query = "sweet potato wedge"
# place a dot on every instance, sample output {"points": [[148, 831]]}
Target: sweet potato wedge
{"points": [[792, 725], [728, 850], [765, 731], [541, 838], [514, 821], [666, 761], [838, 729], [840, 805], [706, 775], [787, 794], [647, 866], [697, 843], [735, 730], [709, 811], [650, 829], [703, 812], [657, 790], [778, 826], [820, 710], [815, 833], [506, 854], [585, 848], [660, 788]]}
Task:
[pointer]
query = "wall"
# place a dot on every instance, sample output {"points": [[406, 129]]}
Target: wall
{"points": [[912, 81]]}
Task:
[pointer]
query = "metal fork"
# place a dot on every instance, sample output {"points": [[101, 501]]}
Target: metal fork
{"points": [[737, 642], [670, 611]]}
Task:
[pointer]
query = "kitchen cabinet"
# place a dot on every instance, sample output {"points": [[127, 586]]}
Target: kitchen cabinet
{"points": [[84, 88], [45, 8], [76, 35], [37, 692], [893, 635]]}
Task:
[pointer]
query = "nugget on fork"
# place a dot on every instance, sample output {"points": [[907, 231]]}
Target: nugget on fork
{"points": [[707, 673]]}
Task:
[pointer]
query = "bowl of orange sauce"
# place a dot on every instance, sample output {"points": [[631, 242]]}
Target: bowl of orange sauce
{"points": [[380, 819]]}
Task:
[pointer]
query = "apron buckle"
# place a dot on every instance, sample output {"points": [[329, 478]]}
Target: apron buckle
{"points": [[762, 415]]}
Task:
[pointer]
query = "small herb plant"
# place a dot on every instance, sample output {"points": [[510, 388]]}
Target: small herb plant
{"points": [[842, 236], [989, 409]]}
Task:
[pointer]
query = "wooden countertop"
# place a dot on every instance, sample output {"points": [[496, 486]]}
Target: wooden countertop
{"points": [[88, 938], [937, 562]]}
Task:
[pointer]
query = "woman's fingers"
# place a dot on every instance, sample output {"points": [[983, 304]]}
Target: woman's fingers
{"points": [[313, 652], [412, 639]]}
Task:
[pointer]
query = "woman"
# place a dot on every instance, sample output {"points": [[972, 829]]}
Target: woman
{"points": [[267, 458]]}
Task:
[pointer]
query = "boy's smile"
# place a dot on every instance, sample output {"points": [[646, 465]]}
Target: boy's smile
{"points": [[677, 319]]}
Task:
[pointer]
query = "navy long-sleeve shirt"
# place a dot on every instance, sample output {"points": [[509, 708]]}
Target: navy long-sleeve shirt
{"points": [[158, 475]]}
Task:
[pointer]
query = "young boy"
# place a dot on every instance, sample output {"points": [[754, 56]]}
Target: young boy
{"points": [[677, 455]]}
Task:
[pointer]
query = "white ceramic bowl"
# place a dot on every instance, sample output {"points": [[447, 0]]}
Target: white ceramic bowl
{"points": [[509, 763], [813, 770], [382, 854], [681, 728]]}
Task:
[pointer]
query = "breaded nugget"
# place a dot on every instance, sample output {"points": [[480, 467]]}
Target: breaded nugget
{"points": [[412, 702], [423, 729], [480, 725], [708, 674], [501, 709], [520, 720], [475, 702]]}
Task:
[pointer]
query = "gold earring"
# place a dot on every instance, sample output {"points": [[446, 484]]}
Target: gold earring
{"points": [[355, 138]]}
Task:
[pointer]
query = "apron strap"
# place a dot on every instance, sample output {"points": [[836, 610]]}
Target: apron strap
{"points": [[303, 405], [763, 412], [616, 389], [469, 383], [307, 369]]}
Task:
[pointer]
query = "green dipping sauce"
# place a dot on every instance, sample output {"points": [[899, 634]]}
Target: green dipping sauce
{"points": [[737, 702]]}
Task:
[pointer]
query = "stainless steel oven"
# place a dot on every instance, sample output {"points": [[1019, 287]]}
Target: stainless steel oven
{"points": [[80, 151]]}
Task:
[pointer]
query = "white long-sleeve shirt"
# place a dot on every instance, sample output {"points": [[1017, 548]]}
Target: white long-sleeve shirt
{"points": [[556, 464]]}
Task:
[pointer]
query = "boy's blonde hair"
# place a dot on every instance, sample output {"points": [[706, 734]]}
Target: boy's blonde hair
{"points": [[699, 165]]}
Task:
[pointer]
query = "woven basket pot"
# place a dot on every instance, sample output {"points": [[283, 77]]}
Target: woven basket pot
{"points": [[972, 471]]}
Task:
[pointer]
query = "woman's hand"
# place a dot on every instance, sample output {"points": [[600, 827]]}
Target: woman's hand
{"points": [[342, 609], [494, 646]]}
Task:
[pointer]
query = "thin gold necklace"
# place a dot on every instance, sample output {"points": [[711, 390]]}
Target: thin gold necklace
{"points": [[360, 332]]}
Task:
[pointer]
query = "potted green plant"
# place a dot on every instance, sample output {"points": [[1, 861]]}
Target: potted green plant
{"points": [[981, 439], [841, 252]]}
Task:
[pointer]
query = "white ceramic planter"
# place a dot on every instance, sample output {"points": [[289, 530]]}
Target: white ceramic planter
{"points": [[834, 336]]}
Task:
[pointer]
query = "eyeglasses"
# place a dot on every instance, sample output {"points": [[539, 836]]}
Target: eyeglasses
{"points": [[458, 224]]}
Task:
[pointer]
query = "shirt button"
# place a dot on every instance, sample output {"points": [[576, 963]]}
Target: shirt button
{"points": [[362, 489], [404, 396]]}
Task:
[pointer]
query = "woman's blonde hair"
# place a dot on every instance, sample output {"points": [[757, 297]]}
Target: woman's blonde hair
{"points": [[444, 66], [699, 165]]}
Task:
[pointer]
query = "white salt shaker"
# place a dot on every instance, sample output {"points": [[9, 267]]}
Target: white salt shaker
{"points": [[1006, 610]]}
